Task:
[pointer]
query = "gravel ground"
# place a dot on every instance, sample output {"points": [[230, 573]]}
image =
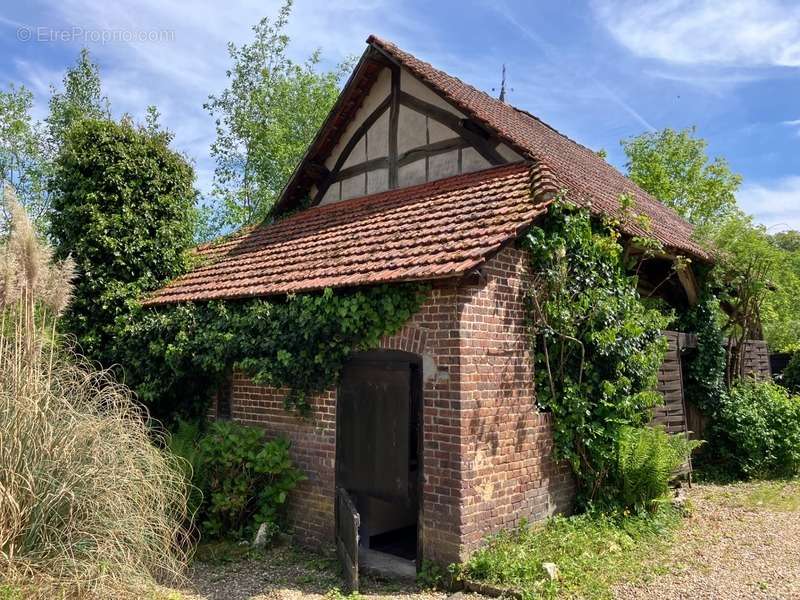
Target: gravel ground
{"points": [[286, 574], [742, 541]]}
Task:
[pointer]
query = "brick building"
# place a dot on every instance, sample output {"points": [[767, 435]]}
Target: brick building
{"points": [[434, 437]]}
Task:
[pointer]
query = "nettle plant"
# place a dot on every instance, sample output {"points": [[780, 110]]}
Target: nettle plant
{"points": [[598, 349]]}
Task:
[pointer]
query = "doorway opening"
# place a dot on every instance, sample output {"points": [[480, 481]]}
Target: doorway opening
{"points": [[378, 457]]}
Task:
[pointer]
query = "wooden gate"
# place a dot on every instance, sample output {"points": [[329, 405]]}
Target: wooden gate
{"points": [[347, 523]]}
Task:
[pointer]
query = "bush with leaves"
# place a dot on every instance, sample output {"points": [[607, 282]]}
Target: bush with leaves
{"points": [[704, 384], [647, 458], [756, 433], [245, 480], [791, 374], [123, 209], [599, 348]]}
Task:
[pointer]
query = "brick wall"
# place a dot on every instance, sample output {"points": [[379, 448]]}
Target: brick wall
{"points": [[509, 472], [487, 450]]}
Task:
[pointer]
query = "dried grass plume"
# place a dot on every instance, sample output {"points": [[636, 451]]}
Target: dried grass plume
{"points": [[90, 506]]}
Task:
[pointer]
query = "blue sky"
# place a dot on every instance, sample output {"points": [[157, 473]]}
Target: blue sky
{"points": [[597, 70]]}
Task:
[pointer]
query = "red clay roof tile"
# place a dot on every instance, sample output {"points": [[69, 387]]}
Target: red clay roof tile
{"points": [[588, 178], [440, 229]]}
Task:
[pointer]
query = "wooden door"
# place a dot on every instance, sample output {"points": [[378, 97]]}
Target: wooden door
{"points": [[373, 429], [347, 524]]}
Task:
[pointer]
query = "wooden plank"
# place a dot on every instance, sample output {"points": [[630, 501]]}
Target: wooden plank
{"points": [[394, 119], [348, 522]]}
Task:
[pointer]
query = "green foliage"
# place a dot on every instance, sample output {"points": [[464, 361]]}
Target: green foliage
{"points": [[787, 240], [266, 119], [756, 433], [183, 442], [122, 203], [245, 480], [647, 458], [431, 576], [673, 167], [791, 374], [704, 372], [761, 280], [599, 348], [176, 356], [81, 98], [23, 154], [592, 552]]}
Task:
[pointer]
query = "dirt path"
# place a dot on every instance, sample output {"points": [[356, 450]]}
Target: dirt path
{"points": [[742, 541]]}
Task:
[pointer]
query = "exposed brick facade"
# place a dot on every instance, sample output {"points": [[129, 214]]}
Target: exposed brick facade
{"points": [[487, 452]]}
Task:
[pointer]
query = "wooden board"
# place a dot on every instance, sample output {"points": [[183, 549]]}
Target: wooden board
{"points": [[348, 522]]}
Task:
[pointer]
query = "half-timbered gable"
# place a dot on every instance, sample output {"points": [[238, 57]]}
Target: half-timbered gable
{"points": [[405, 134]]}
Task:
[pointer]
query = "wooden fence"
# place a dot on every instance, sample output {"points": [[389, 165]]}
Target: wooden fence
{"points": [[675, 415]]}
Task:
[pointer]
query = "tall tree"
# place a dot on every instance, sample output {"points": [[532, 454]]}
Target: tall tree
{"points": [[82, 98], [674, 167], [265, 119], [123, 209], [24, 157]]}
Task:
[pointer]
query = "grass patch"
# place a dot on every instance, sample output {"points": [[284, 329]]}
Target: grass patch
{"points": [[10, 593], [592, 551], [780, 496]]}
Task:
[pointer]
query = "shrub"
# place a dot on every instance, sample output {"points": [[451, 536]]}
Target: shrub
{"points": [[791, 374], [245, 480], [756, 433], [123, 208], [647, 458], [90, 506]]}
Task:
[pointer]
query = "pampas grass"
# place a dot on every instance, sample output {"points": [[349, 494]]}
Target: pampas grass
{"points": [[90, 506]]}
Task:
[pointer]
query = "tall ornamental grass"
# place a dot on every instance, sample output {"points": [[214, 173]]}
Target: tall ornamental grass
{"points": [[90, 506]]}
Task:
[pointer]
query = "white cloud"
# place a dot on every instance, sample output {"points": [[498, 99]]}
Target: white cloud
{"points": [[745, 33], [794, 124], [775, 204]]}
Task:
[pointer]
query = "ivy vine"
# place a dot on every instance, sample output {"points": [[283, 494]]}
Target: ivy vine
{"points": [[176, 357], [704, 385], [598, 349]]}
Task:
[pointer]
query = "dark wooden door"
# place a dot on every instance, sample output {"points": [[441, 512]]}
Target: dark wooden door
{"points": [[373, 429], [347, 524]]}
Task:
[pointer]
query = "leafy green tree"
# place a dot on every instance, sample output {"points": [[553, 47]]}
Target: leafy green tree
{"points": [[788, 240], [82, 98], [266, 119], [24, 161], [674, 167], [123, 209], [760, 283]]}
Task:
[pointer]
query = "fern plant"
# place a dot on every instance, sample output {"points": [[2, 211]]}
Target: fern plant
{"points": [[647, 458]]}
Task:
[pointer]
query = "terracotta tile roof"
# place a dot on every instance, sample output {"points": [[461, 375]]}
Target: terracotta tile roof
{"points": [[589, 179], [440, 229]]}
